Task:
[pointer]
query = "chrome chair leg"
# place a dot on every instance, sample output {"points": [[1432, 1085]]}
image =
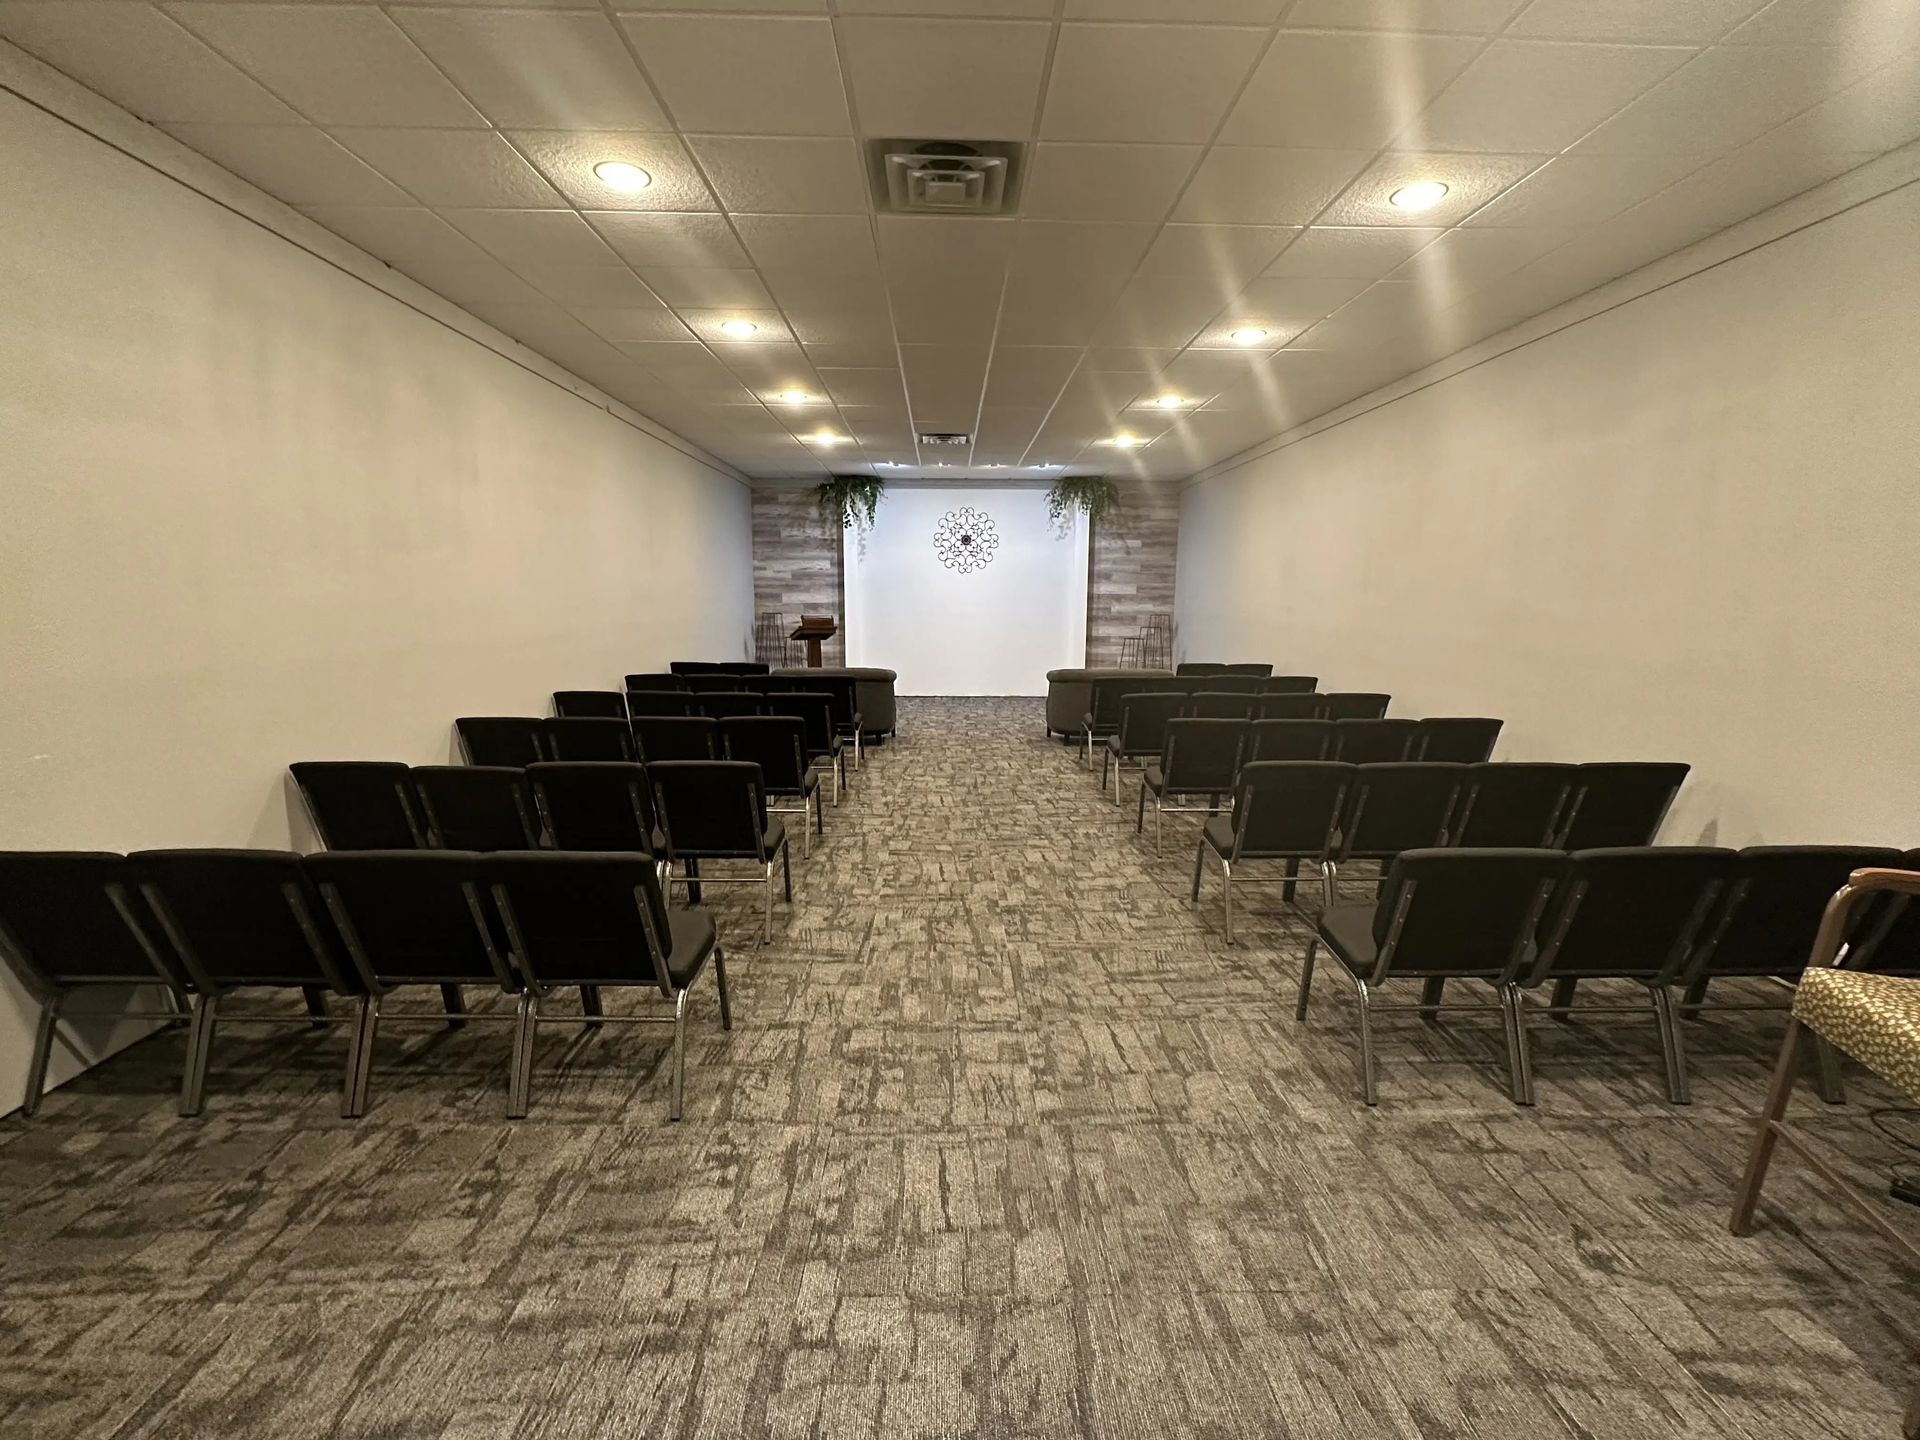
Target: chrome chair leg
{"points": [[680, 1049], [356, 1037], [43, 1054], [720, 979], [1673, 1051], [363, 1067], [1226, 895], [786, 868], [1306, 979], [193, 1085], [1327, 883], [1199, 854], [520, 1078], [1519, 1061], [766, 920], [1159, 822], [1369, 1087]]}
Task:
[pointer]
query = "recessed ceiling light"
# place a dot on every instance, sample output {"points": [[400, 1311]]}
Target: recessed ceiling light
{"points": [[739, 329], [1123, 442], [1247, 335], [993, 465], [1171, 402], [826, 437], [619, 175], [794, 397], [1047, 465], [891, 464], [1421, 195]]}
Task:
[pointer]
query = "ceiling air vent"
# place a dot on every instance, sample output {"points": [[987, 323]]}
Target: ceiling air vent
{"points": [[944, 177], [944, 437]]}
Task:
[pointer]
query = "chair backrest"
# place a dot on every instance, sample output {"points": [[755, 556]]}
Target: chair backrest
{"points": [[1289, 808], [1396, 807], [742, 667], [661, 702], [69, 917], [656, 681], [1892, 931], [586, 738], [1462, 912], [1202, 755], [1200, 667], [1778, 895], [583, 919], [1512, 805], [1305, 706], [719, 705], [1103, 703], [697, 667], [1355, 705], [1248, 667], [778, 684], [814, 709], [711, 808], [776, 743], [606, 704], [476, 807], [1637, 911], [499, 739], [840, 692], [1373, 742], [1290, 685], [594, 805], [1235, 680], [360, 804], [1463, 739], [1143, 720], [1290, 740], [675, 737], [1157, 685], [1619, 803], [242, 917], [1222, 704], [411, 917]]}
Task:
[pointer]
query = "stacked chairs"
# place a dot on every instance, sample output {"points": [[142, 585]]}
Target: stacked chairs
{"points": [[675, 737], [604, 704], [711, 810], [499, 739], [778, 745], [1288, 810], [582, 738], [361, 804], [476, 807], [1198, 757], [1142, 732]]}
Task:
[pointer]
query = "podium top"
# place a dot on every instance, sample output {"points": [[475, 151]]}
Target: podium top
{"points": [[815, 627]]}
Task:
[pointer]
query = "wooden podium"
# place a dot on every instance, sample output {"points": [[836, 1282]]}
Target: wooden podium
{"points": [[813, 629]]}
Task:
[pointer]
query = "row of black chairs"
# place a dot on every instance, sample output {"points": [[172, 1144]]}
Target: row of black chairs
{"points": [[358, 926], [1211, 667], [1286, 697], [686, 668], [1671, 919], [728, 695]]}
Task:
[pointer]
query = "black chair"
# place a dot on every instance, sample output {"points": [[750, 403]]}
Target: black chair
{"points": [[1306, 706], [68, 923], [814, 709], [690, 668], [1290, 685], [1290, 740], [410, 917], [661, 702], [848, 722], [1211, 704], [1463, 740], [1237, 681], [778, 745], [1398, 807], [246, 919], [1442, 915], [778, 684], [719, 705], [1515, 806], [1618, 804], [599, 805], [717, 810], [1247, 668], [604, 704], [1354, 705], [1102, 717], [1200, 668], [656, 682], [675, 737], [1282, 810], [596, 921], [742, 667], [1639, 914], [1373, 742], [1142, 732], [360, 804], [1200, 757], [476, 807], [499, 739], [586, 738]]}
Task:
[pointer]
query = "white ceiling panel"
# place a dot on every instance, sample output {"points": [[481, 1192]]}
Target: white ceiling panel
{"points": [[1352, 91], [1230, 254], [407, 239], [1465, 260], [1057, 308], [580, 287], [1539, 94], [567, 158], [743, 75], [705, 288], [1239, 186], [451, 167], [1106, 182], [639, 322], [1461, 17], [532, 237], [1352, 252], [1583, 189], [538, 70], [960, 79], [294, 163], [1178, 81], [1642, 22], [816, 242], [769, 175], [668, 238], [1471, 180]]}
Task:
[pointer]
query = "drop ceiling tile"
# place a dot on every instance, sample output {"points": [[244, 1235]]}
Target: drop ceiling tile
{"points": [[1218, 333], [567, 158], [705, 288], [796, 7], [1472, 181], [1025, 376], [1878, 113], [1722, 99], [970, 9], [1246, 12], [1058, 247], [539, 326], [1281, 298], [783, 176], [740, 75], [628, 324], [143, 60], [974, 79], [451, 167], [769, 328], [944, 315], [538, 70], [1370, 318], [480, 281], [532, 237], [1231, 254], [581, 287], [1209, 372], [1163, 83], [1162, 310], [294, 163], [1353, 91], [1121, 359], [863, 354], [1358, 252], [1004, 426], [1641, 22], [699, 384], [658, 353], [1054, 308], [1105, 182], [336, 65], [1774, 168], [1238, 186], [1467, 17], [1466, 260], [1532, 95], [935, 248], [810, 242], [403, 238], [1583, 189], [668, 238], [1870, 28], [868, 386], [856, 296]]}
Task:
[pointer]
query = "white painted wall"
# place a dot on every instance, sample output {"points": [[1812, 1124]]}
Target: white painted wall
{"points": [[256, 510], [996, 630], [1688, 528]]}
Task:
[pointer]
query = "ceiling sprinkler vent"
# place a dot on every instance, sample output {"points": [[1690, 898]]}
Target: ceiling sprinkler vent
{"points": [[945, 177], [944, 437]]}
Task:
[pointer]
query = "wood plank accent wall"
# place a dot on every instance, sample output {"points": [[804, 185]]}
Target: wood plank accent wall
{"points": [[796, 565]]}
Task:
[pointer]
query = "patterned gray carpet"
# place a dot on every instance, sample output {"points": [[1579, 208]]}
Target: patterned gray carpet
{"points": [[1006, 1143]]}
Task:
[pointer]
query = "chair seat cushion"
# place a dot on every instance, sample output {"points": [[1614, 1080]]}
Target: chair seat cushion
{"points": [[1874, 1018], [693, 939], [1218, 832], [1348, 931], [1154, 778], [773, 838]]}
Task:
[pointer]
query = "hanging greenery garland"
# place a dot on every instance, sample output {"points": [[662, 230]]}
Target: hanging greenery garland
{"points": [[1094, 495], [850, 500]]}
